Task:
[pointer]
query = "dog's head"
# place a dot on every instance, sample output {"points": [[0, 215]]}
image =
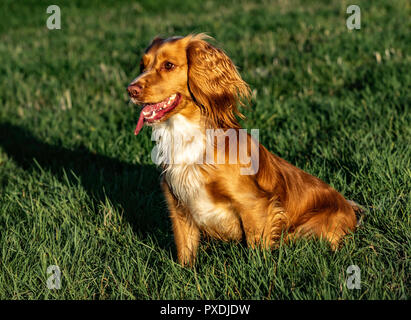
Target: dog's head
{"points": [[181, 71]]}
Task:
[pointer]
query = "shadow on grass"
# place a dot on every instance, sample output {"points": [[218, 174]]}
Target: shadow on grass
{"points": [[133, 188]]}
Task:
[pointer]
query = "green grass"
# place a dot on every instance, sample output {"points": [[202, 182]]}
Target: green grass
{"points": [[78, 189]]}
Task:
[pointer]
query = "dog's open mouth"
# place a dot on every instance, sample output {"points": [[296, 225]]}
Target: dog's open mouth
{"points": [[152, 112]]}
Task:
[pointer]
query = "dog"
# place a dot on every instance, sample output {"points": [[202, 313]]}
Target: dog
{"points": [[188, 86]]}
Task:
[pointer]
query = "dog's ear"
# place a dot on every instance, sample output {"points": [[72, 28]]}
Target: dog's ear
{"points": [[214, 82]]}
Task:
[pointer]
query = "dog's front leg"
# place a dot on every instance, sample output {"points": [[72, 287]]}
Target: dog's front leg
{"points": [[256, 224], [186, 232], [186, 237]]}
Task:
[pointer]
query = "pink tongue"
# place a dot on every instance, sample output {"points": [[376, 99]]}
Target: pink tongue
{"points": [[140, 123], [149, 108]]}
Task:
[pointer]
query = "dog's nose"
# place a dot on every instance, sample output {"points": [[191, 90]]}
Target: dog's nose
{"points": [[134, 89]]}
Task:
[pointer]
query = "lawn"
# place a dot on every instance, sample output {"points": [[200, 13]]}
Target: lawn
{"points": [[78, 190]]}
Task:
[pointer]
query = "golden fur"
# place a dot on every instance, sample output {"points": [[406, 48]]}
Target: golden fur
{"points": [[216, 199]]}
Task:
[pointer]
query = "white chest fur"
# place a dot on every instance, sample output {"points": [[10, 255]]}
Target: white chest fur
{"points": [[180, 149]]}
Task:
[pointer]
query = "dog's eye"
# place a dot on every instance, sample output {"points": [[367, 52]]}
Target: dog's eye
{"points": [[168, 65]]}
